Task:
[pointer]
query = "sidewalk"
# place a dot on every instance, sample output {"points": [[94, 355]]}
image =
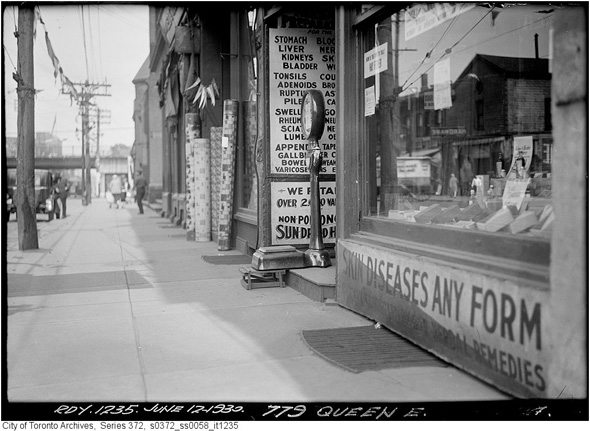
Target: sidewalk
{"points": [[120, 306]]}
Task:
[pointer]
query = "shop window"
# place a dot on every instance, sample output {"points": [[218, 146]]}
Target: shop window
{"points": [[249, 198], [433, 163]]}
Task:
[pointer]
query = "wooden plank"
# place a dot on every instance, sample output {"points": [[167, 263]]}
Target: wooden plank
{"points": [[396, 215], [485, 214], [428, 214], [548, 224], [523, 222], [470, 212], [448, 214], [463, 224], [498, 221]]}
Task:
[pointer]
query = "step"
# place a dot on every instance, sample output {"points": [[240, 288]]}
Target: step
{"points": [[318, 284]]}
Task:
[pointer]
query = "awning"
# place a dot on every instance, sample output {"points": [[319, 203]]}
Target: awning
{"points": [[480, 141], [422, 153]]}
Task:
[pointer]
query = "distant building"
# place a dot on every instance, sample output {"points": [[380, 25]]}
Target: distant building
{"points": [[494, 99], [46, 145], [11, 144], [141, 112]]}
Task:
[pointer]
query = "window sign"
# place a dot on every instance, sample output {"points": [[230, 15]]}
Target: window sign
{"points": [[290, 219], [521, 159], [514, 192], [376, 60], [370, 101], [442, 84], [485, 324], [300, 60], [423, 17]]}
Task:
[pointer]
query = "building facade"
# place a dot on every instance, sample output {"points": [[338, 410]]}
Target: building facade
{"points": [[453, 152]]}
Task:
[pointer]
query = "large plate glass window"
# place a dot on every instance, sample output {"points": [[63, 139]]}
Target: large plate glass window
{"points": [[458, 119]]}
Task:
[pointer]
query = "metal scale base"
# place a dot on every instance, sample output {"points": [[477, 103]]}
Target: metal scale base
{"points": [[288, 257]]}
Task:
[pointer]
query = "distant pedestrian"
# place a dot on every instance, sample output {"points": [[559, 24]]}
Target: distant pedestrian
{"points": [[453, 186], [140, 187], [125, 191], [116, 188], [54, 196], [63, 188]]}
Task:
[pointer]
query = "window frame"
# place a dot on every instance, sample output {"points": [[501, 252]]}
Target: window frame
{"points": [[523, 259]]}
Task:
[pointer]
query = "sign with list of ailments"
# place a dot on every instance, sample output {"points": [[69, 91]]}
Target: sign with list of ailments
{"points": [[485, 324], [290, 219], [300, 60]]}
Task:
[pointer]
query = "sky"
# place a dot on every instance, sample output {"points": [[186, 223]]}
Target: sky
{"points": [[510, 33], [104, 44]]}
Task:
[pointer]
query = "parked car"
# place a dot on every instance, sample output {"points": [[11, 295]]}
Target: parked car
{"points": [[44, 203], [10, 192]]}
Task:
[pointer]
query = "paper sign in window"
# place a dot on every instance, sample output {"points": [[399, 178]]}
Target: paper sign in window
{"points": [[376, 60], [370, 101], [442, 84]]}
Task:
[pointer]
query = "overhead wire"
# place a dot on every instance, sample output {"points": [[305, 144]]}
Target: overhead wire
{"points": [[84, 40], [450, 49], [508, 32], [9, 57], [91, 46], [99, 41], [429, 53], [108, 10], [471, 46]]}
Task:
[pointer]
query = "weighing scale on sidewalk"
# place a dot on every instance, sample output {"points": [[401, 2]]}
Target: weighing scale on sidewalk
{"points": [[282, 257]]}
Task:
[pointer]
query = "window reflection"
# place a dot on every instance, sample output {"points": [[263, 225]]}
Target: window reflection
{"points": [[461, 114], [250, 112]]}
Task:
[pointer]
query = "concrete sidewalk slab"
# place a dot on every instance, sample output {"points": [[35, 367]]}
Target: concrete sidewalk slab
{"points": [[118, 306]]}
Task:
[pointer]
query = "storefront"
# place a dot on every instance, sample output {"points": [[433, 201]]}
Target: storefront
{"points": [[454, 149], [200, 57], [487, 271]]}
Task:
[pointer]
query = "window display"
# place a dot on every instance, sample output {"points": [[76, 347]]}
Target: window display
{"points": [[457, 124]]}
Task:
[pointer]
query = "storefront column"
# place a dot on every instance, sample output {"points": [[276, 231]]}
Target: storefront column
{"points": [[568, 324]]}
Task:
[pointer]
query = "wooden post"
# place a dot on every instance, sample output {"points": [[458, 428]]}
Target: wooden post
{"points": [[25, 159], [88, 189]]}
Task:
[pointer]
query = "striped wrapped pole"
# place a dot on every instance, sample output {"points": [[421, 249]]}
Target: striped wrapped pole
{"points": [[216, 134], [202, 190], [228, 159], [192, 133]]}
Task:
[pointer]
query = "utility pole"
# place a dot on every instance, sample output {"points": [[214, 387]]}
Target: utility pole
{"points": [[97, 155], [87, 181], [86, 92], [25, 157], [101, 116]]}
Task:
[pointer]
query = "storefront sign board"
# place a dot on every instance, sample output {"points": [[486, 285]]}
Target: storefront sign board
{"points": [[408, 167], [290, 217], [426, 16], [448, 131], [486, 325], [300, 60]]}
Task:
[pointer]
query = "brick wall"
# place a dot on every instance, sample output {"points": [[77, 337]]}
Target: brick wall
{"points": [[526, 105]]}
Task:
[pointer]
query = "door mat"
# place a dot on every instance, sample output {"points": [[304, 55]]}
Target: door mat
{"points": [[228, 259], [365, 348]]}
